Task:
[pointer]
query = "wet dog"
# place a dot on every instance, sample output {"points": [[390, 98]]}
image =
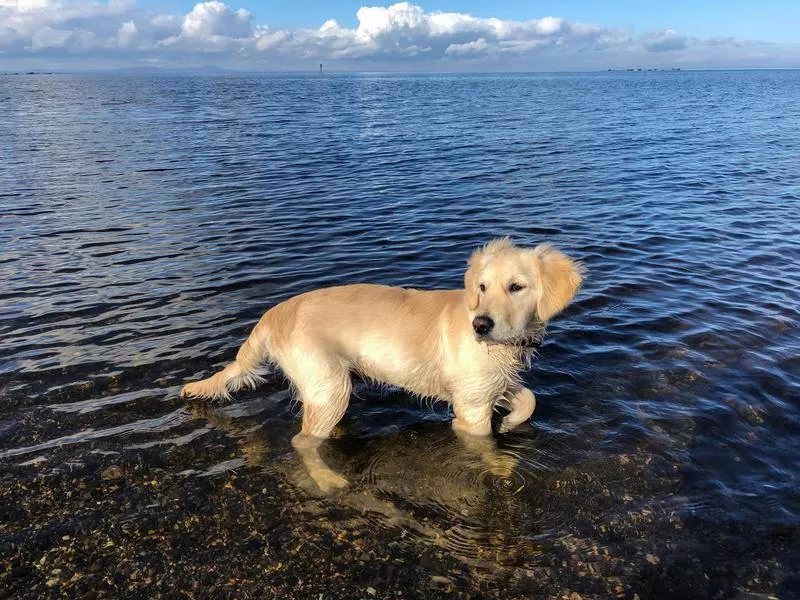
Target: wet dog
{"points": [[466, 347]]}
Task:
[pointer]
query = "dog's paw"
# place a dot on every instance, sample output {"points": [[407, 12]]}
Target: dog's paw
{"points": [[209, 389], [193, 390], [507, 425], [330, 481]]}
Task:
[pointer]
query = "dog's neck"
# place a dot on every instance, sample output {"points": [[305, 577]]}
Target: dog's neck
{"points": [[510, 359]]}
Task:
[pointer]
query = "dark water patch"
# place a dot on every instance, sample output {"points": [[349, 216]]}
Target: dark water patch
{"points": [[661, 459]]}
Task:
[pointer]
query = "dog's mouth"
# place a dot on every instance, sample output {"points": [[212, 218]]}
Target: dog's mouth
{"points": [[534, 334], [531, 341], [526, 341]]}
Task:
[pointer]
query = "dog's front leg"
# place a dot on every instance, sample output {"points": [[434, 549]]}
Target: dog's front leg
{"points": [[523, 403], [472, 417]]}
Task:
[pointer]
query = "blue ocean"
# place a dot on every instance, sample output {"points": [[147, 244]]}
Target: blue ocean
{"points": [[149, 220]]}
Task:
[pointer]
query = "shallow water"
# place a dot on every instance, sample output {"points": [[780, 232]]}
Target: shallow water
{"points": [[148, 222]]}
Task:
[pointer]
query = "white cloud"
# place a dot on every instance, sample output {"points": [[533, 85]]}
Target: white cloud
{"points": [[209, 27], [210, 19], [664, 41], [401, 35], [126, 34], [47, 37], [267, 39], [401, 18], [549, 25], [27, 5], [474, 48]]}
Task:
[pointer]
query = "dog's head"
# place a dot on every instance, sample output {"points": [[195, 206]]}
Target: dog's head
{"points": [[512, 292]]}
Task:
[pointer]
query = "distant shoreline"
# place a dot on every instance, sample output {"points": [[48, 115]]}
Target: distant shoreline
{"points": [[232, 72]]}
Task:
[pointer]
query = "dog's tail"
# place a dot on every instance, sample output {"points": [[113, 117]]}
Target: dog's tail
{"points": [[247, 370]]}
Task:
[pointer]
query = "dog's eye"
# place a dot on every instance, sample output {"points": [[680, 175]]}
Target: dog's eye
{"points": [[482, 287], [516, 287]]}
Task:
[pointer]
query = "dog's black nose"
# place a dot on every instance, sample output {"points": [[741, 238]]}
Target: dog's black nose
{"points": [[482, 324]]}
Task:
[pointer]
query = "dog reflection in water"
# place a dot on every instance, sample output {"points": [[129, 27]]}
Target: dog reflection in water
{"points": [[461, 492], [466, 347], [480, 453], [461, 451]]}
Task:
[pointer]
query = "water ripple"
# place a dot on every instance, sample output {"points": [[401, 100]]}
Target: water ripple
{"points": [[148, 222]]}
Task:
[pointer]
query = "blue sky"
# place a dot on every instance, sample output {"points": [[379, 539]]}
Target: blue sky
{"points": [[436, 35]]}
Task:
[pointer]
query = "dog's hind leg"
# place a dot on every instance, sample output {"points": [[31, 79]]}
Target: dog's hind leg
{"points": [[325, 398]]}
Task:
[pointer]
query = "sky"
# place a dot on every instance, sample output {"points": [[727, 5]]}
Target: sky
{"points": [[439, 35]]}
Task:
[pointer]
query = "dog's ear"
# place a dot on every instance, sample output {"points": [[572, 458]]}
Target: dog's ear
{"points": [[559, 276], [470, 279]]}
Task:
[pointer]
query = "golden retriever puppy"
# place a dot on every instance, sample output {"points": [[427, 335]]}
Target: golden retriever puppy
{"points": [[466, 347]]}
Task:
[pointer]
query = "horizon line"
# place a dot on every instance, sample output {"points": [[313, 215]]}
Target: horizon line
{"points": [[223, 70]]}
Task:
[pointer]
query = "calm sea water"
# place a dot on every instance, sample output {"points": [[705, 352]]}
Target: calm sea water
{"points": [[147, 222]]}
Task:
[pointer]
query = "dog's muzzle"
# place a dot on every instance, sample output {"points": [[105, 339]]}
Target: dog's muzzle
{"points": [[482, 324]]}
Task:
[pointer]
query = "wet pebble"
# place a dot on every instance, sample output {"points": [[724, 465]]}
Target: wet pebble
{"points": [[112, 473]]}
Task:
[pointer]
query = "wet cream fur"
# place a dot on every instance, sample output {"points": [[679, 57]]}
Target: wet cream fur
{"points": [[422, 341]]}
